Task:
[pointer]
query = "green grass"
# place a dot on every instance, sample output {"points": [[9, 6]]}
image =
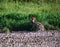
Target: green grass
{"points": [[17, 14]]}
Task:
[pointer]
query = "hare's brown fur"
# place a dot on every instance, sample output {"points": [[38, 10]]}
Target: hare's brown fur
{"points": [[40, 26]]}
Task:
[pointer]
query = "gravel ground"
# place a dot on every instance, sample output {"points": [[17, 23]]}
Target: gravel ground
{"points": [[30, 39]]}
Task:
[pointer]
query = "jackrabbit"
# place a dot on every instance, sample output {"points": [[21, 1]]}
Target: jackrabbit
{"points": [[38, 26]]}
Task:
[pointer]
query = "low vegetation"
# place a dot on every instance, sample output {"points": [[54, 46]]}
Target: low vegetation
{"points": [[16, 15]]}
